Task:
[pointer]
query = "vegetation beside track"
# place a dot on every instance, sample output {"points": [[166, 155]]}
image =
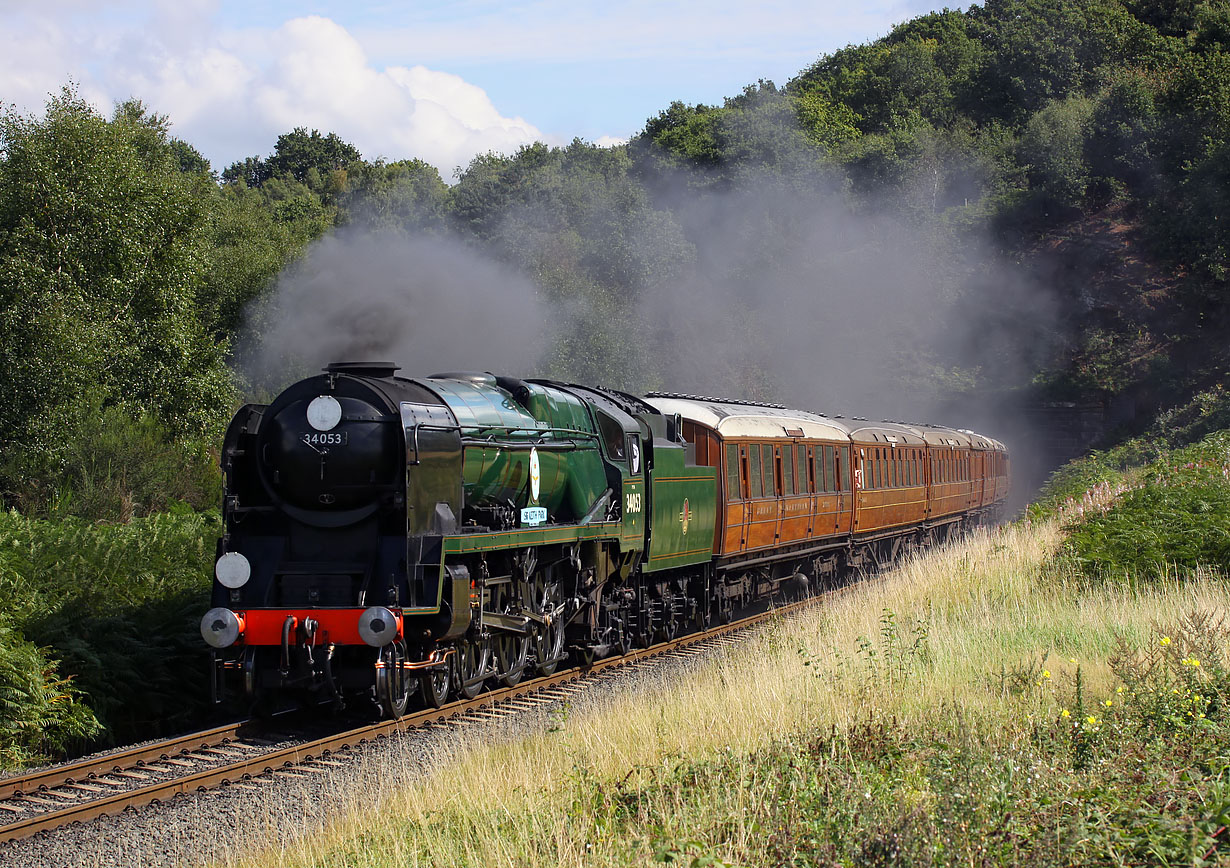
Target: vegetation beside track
{"points": [[997, 701], [98, 637]]}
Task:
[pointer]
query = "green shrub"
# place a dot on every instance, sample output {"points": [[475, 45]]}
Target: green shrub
{"points": [[113, 466], [1070, 482], [118, 605], [42, 714], [1176, 518]]}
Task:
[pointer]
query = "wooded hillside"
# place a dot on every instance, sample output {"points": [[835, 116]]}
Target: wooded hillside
{"points": [[1024, 200]]}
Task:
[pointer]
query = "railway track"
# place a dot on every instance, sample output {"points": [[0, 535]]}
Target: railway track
{"points": [[234, 753]]}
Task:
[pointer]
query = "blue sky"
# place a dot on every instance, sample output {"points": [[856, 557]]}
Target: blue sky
{"points": [[441, 81]]}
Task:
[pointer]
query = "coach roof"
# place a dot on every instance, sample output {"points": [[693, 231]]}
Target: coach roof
{"points": [[764, 421]]}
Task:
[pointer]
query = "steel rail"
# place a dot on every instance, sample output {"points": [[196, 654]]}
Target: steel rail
{"points": [[120, 760], [307, 752]]}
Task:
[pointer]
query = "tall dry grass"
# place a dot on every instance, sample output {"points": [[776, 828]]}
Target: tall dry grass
{"points": [[983, 627]]}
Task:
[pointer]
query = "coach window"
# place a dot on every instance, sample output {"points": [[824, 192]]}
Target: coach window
{"points": [[732, 472], [830, 478], [753, 467], [896, 459], [770, 476], [800, 468], [788, 486]]}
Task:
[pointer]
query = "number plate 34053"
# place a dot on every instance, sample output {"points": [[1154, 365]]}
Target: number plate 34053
{"points": [[324, 438]]}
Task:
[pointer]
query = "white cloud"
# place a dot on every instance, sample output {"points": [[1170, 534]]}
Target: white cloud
{"points": [[232, 94]]}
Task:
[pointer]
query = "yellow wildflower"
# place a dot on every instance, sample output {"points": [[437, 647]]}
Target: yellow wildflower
{"points": [[1164, 641], [1065, 714], [1091, 720], [1046, 673], [1119, 690], [1071, 659], [1108, 703]]}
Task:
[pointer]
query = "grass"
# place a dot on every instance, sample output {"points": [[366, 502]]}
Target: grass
{"points": [[917, 719]]}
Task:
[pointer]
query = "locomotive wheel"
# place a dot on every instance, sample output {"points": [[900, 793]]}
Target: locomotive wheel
{"points": [[473, 657], [434, 685], [512, 651], [512, 654], [392, 682], [548, 638]]}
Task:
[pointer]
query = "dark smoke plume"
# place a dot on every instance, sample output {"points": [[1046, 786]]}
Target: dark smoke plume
{"points": [[428, 304]]}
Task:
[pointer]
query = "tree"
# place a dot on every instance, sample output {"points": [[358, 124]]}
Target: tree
{"points": [[299, 152], [408, 195], [250, 171], [101, 255]]}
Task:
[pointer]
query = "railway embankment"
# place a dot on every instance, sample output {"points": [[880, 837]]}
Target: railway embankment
{"points": [[1056, 691]]}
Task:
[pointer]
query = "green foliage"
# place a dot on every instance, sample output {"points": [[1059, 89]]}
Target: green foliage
{"points": [[408, 195], [101, 254], [118, 606], [309, 158], [42, 714], [1176, 518], [1206, 413], [1052, 150], [115, 467], [573, 218], [1179, 681], [686, 133], [249, 244]]}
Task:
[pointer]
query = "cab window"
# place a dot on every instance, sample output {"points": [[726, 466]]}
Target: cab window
{"points": [[612, 436]]}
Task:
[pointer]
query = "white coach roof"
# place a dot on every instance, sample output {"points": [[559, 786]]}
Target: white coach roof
{"points": [[751, 420]]}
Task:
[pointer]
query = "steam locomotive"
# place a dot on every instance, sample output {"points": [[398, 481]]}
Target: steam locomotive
{"points": [[397, 540]]}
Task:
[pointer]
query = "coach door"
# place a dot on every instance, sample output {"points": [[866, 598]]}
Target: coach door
{"points": [[735, 536]]}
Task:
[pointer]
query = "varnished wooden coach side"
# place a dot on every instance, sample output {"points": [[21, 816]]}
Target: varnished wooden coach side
{"points": [[791, 482]]}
